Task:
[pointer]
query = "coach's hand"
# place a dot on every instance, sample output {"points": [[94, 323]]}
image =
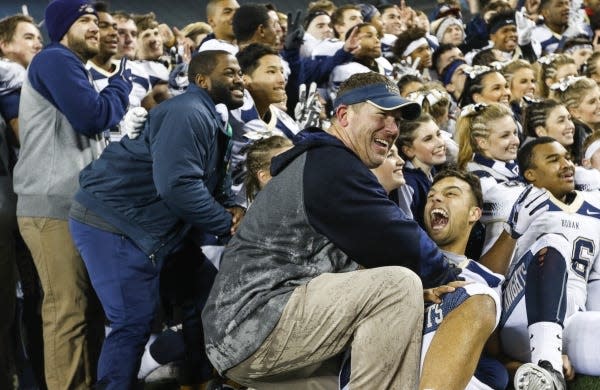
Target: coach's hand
{"points": [[237, 214], [434, 295]]}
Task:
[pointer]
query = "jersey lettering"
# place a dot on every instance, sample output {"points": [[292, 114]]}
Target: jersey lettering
{"points": [[583, 254]]}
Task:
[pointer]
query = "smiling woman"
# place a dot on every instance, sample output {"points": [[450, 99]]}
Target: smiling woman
{"points": [[581, 96], [485, 86], [487, 137], [390, 174], [552, 119], [421, 144], [488, 144], [521, 77]]}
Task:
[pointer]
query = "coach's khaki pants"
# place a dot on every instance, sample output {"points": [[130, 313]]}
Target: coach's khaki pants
{"points": [[377, 312], [69, 359]]}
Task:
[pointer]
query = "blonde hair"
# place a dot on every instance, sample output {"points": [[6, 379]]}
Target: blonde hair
{"points": [[549, 71], [441, 107], [595, 136], [145, 21], [475, 125], [591, 65], [258, 157], [512, 67], [197, 28], [574, 94], [322, 5]]}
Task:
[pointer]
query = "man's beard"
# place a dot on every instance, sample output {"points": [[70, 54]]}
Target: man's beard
{"points": [[221, 93], [81, 48]]}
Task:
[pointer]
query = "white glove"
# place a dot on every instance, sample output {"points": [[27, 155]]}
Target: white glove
{"points": [[308, 109], [133, 122], [525, 27], [529, 205], [406, 67]]}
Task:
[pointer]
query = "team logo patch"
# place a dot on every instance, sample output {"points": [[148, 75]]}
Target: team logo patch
{"points": [[392, 88], [86, 9]]}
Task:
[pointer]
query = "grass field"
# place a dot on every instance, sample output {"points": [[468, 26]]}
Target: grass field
{"points": [[583, 382]]}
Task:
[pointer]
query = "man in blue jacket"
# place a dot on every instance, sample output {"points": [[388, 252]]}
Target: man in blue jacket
{"points": [[138, 201], [291, 291], [61, 121]]}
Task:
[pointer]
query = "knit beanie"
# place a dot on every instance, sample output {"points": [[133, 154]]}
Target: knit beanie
{"points": [[367, 11], [442, 25], [61, 14], [311, 16]]}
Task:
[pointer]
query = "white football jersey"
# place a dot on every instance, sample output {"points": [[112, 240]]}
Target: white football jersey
{"points": [[140, 85], [247, 127], [387, 43], [342, 72], [492, 172], [498, 201], [475, 272], [579, 223], [12, 76], [308, 44], [483, 282], [139, 77], [156, 71], [547, 38], [326, 48]]}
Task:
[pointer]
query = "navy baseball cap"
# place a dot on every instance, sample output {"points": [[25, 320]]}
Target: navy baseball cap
{"points": [[383, 96]]}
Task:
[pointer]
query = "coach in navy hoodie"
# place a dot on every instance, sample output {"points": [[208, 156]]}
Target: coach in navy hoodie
{"points": [[137, 202], [292, 292]]}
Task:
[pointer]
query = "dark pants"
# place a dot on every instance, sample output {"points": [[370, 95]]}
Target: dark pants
{"points": [[8, 286], [28, 325], [186, 280], [127, 284]]}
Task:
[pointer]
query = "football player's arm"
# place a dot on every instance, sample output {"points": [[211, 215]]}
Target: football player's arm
{"points": [[14, 125], [498, 257], [530, 204], [493, 230]]}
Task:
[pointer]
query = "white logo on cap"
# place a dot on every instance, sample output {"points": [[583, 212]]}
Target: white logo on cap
{"points": [[86, 8], [392, 88]]}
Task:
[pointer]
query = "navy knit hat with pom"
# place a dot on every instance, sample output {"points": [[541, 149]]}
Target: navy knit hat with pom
{"points": [[61, 14]]}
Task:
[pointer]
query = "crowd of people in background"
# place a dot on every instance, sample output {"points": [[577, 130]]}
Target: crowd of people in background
{"points": [[355, 195]]}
